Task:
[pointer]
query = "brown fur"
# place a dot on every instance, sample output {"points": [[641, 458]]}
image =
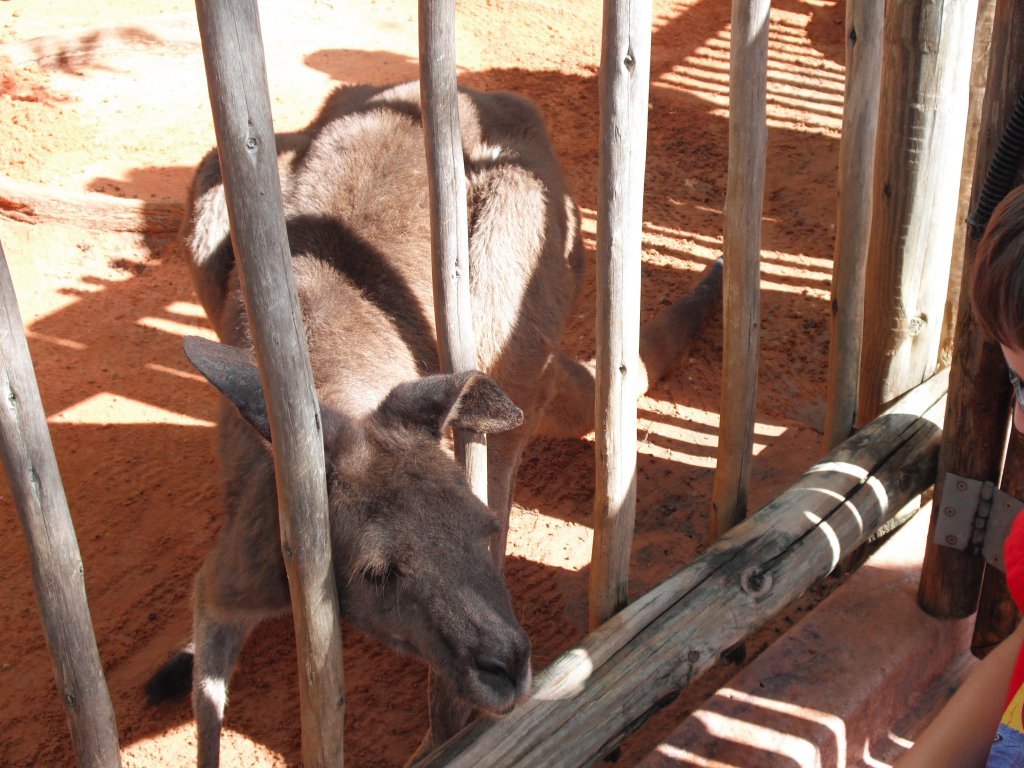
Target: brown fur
{"points": [[410, 541]]}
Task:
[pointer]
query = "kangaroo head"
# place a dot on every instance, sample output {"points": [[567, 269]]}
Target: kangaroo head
{"points": [[410, 540]]}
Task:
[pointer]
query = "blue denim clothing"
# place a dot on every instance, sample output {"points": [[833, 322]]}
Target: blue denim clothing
{"points": [[1007, 748]]}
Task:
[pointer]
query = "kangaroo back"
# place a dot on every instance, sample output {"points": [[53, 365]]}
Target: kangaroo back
{"points": [[417, 557]]}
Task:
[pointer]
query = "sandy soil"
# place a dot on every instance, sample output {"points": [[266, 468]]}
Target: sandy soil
{"points": [[108, 100]]}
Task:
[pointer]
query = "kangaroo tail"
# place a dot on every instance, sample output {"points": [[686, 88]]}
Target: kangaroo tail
{"points": [[663, 341], [173, 680], [665, 338]]}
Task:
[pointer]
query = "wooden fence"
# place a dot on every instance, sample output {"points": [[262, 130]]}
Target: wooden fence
{"points": [[233, 51], [57, 569], [637, 655], [977, 424]]}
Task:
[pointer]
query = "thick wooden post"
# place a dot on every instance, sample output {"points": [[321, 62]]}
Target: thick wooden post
{"points": [[998, 613], [975, 94], [57, 570], [741, 306], [449, 229], [864, 20], [625, 83], [236, 73], [976, 416], [921, 125]]}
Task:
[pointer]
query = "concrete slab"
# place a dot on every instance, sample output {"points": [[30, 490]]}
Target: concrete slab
{"points": [[849, 685]]}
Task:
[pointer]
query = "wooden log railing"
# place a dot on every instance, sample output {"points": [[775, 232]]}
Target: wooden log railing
{"points": [[30, 203], [595, 694]]}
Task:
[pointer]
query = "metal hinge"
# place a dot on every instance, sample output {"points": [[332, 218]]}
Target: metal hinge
{"points": [[975, 517]]}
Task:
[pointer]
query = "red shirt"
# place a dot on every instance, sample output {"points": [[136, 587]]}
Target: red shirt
{"points": [[1013, 553]]}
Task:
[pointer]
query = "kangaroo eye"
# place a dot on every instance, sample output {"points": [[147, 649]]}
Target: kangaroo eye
{"points": [[381, 578]]}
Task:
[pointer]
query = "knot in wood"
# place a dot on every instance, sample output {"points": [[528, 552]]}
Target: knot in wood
{"points": [[12, 401], [755, 582]]}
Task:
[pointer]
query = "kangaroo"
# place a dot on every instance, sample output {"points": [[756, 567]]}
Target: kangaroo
{"points": [[416, 556]]}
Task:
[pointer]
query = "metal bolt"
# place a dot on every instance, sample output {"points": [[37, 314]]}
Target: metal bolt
{"points": [[961, 485], [950, 512], [951, 540]]}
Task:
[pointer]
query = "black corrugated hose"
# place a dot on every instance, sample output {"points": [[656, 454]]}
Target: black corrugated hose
{"points": [[1002, 171]]}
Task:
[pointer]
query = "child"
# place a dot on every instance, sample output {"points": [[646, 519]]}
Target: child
{"points": [[969, 732]]}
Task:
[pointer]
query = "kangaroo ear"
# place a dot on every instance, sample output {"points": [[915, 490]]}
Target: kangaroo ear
{"points": [[469, 400], [232, 372]]}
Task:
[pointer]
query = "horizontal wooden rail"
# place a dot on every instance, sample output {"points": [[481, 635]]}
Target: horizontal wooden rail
{"points": [[594, 695], [38, 204]]}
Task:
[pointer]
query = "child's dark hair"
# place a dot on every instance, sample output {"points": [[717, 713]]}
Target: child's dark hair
{"points": [[997, 293]]}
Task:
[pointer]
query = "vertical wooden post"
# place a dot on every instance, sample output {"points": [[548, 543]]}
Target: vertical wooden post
{"points": [[998, 613], [57, 571], [236, 74], [976, 417], [921, 125], [741, 305], [976, 92], [864, 21], [449, 229], [625, 84]]}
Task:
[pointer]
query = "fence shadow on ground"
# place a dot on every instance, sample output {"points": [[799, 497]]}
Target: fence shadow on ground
{"points": [[143, 492]]}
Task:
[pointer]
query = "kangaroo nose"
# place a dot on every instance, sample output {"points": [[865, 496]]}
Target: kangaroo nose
{"points": [[509, 663], [503, 673], [492, 665]]}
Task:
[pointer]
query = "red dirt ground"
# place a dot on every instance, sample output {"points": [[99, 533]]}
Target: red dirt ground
{"points": [[108, 100]]}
